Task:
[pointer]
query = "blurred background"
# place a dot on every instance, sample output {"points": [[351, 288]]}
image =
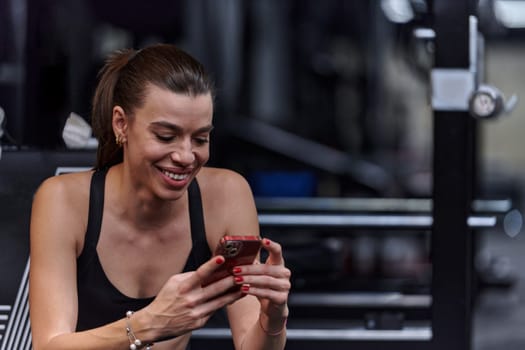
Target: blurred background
{"points": [[324, 106]]}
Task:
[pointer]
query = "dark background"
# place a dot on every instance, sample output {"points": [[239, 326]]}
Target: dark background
{"points": [[315, 99]]}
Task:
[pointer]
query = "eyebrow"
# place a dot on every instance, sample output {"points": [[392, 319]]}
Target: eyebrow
{"points": [[177, 128]]}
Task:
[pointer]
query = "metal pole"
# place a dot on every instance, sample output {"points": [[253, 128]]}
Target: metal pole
{"points": [[454, 175]]}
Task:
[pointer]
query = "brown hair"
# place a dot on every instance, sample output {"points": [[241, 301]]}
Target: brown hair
{"points": [[123, 80]]}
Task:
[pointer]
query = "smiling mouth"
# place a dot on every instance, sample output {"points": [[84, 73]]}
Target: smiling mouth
{"points": [[173, 176]]}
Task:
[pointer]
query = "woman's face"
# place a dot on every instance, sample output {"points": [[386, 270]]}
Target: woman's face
{"points": [[168, 140]]}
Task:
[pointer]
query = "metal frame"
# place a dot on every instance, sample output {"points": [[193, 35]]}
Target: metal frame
{"points": [[454, 185], [385, 222]]}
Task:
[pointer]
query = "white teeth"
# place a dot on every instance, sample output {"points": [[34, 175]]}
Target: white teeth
{"points": [[173, 176]]}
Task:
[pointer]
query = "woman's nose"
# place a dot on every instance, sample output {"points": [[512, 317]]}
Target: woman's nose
{"points": [[183, 155]]}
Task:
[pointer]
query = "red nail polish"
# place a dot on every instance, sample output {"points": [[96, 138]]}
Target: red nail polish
{"points": [[267, 241], [219, 260], [245, 288], [238, 279], [237, 270]]}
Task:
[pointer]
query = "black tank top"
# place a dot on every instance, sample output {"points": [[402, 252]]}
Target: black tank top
{"points": [[99, 301]]}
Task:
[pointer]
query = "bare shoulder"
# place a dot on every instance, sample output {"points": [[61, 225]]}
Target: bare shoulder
{"points": [[65, 188], [222, 182], [60, 207]]}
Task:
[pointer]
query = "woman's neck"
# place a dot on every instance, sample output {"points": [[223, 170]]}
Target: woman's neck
{"points": [[137, 204]]}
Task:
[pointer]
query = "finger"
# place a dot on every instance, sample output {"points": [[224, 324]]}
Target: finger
{"points": [[275, 296], [209, 271], [264, 281], [274, 249], [279, 271]]}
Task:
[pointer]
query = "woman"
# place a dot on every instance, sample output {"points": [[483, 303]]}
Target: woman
{"points": [[119, 255]]}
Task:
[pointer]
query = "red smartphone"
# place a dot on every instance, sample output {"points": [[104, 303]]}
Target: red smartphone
{"points": [[237, 251]]}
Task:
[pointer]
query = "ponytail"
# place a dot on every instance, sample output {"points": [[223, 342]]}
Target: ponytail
{"points": [[108, 152]]}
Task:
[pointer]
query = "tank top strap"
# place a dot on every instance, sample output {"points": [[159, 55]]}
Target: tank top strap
{"points": [[200, 252], [96, 210]]}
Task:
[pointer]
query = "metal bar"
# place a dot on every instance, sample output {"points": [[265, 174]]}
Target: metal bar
{"points": [[71, 169], [344, 204], [453, 182], [298, 344], [385, 300], [492, 206], [365, 221], [326, 204], [357, 334], [312, 153]]}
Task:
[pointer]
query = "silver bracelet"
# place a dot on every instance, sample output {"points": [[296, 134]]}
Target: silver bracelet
{"points": [[134, 343]]}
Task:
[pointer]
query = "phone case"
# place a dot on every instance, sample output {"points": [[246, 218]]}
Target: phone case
{"points": [[237, 251]]}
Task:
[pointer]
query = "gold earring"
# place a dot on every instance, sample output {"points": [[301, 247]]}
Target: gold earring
{"points": [[118, 140]]}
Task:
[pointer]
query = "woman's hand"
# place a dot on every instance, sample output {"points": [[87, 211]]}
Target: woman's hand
{"points": [[269, 282], [183, 305]]}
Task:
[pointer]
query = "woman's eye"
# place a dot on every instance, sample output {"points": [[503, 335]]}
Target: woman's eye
{"points": [[202, 140], [165, 138]]}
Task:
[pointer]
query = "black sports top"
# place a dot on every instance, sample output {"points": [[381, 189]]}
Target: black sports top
{"points": [[99, 301]]}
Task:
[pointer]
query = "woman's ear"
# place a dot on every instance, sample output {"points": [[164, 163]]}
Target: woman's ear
{"points": [[120, 124]]}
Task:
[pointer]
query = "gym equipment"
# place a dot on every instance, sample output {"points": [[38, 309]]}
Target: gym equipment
{"points": [[457, 94]]}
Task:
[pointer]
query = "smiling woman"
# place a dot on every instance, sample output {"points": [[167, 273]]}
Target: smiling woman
{"points": [[166, 135], [119, 254]]}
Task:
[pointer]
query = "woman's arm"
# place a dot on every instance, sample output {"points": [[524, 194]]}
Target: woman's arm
{"points": [[257, 321], [56, 224]]}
